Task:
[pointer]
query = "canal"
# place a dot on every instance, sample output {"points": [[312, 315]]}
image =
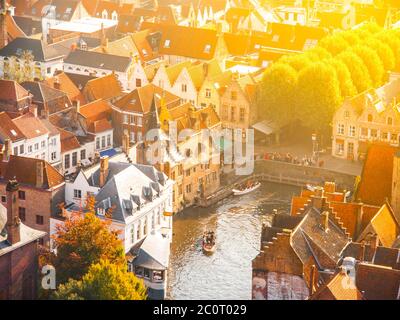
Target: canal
{"points": [[237, 222]]}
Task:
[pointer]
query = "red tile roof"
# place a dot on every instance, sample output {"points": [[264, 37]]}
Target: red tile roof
{"points": [[24, 170], [376, 178], [10, 90]]}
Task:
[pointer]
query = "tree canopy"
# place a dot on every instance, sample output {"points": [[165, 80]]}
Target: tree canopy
{"points": [[351, 62], [103, 281]]}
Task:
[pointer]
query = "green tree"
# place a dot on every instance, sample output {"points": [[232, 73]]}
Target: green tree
{"points": [[392, 39], [81, 241], [335, 44], [347, 88], [103, 281], [318, 95], [372, 62], [277, 90], [384, 52], [296, 61], [359, 72], [318, 53]]}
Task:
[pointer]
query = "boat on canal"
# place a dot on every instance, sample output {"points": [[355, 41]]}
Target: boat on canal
{"points": [[208, 243], [247, 188]]}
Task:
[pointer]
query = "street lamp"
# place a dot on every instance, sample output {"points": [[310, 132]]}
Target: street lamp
{"points": [[315, 147]]}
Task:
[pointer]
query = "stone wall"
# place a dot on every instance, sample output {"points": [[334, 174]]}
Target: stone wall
{"points": [[295, 174]]}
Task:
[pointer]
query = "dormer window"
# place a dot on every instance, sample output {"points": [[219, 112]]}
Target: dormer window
{"points": [[207, 48], [104, 14], [144, 51], [114, 16], [167, 43]]}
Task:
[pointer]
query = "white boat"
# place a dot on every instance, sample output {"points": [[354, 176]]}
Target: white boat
{"points": [[239, 192]]}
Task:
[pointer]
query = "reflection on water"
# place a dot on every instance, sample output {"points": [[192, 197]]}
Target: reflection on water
{"points": [[237, 221]]}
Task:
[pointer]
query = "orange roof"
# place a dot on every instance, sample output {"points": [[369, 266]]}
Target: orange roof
{"points": [[376, 178], [335, 290], [97, 115], [66, 85], [12, 91], [140, 99], [30, 126], [185, 41], [68, 141], [24, 171], [8, 129], [386, 226], [105, 88]]}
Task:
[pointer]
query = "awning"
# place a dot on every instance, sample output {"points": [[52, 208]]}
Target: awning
{"points": [[266, 127], [110, 153]]}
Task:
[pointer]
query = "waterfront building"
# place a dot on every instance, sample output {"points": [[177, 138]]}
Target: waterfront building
{"points": [[137, 199], [372, 116]]}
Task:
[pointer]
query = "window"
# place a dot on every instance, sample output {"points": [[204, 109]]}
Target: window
{"points": [[184, 87], [97, 143], [21, 149], [233, 112], [29, 149], [139, 121], [74, 159], [77, 194], [36, 146], [15, 151], [189, 188], [389, 121], [339, 148], [3, 199], [374, 133], [207, 48], [39, 220], [369, 118], [340, 128], [346, 114], [53, 156], [108, 140], [242, 111], [126, 118], [352, 131], [158, 276], [187, 173], [385, 136], [146, 273], [139, 136], [132, 136], [364, 132], [83, 154], [167, 43], [139, 271], [132, 235], [138, 83], [21, 195], [233, 95], [67, 161], [43, 144], [22, 213], [103, 141]]}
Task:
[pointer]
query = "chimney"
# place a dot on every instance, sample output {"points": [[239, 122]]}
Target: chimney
{"points": [[361, 258], [313, 276], [7, 149], [205, 69], [103, 171], [318, 200], [57, 84], [39, 174], [324, 220], [76, 104], [330, 187], [359, 217], [34, 110], [13, 221]]}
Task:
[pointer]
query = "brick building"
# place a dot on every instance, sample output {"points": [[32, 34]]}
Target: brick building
{"points": [[39, 183], [18, 251]]}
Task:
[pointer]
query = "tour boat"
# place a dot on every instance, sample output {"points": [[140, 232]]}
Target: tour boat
{"points": [[208, 243], [246, 189]]}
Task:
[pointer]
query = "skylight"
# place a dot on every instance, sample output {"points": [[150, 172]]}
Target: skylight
{"points": [[207, 48], [13, 132]]}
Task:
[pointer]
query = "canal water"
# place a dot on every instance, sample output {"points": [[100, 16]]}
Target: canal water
{"points": [[237, 221]]}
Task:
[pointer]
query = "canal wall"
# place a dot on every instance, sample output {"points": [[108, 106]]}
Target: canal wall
{"points": [[280, 172]]}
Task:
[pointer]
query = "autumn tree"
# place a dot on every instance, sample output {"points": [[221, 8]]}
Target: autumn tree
{"points": [[384, 52], [103, 281], [81, 241], [335, 44], [296, 61], [318, 95], [277, 90]]}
